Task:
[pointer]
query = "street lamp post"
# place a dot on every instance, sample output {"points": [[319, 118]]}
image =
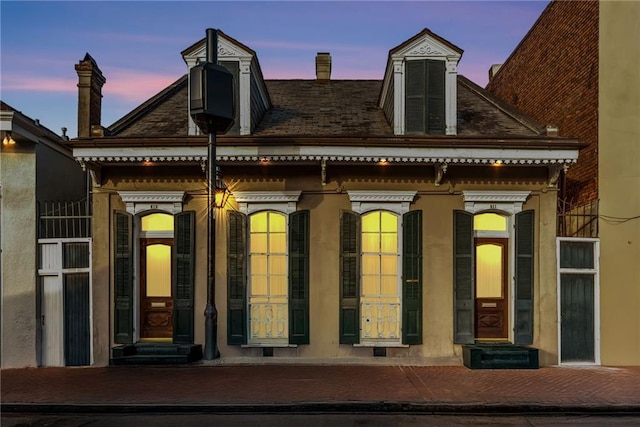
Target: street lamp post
{"points": [[212, 108]]}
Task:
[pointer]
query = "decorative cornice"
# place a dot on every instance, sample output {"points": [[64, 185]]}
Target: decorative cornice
{"points": [[225, 51], [139, 201], [254, 201], [495, 196], [381, 196], [425, 50], [152, 196], [505, 201], [373, 200], [266, 196]]}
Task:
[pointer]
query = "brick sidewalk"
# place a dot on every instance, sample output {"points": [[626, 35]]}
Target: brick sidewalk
{"points": [[302, 386]]}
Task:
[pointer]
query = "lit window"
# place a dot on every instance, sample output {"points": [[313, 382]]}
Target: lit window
{"points": [[380, 292], [157, 222], [489, 270], [489, 222], [158, 271], [269, 274], [379, 254]]}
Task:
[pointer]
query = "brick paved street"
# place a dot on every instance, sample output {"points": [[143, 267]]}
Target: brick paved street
{"points": [[333, 386]]}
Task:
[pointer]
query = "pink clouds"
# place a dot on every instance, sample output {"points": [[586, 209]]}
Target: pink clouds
{"points": [[125, 85], [134, 85], [13, 82]]}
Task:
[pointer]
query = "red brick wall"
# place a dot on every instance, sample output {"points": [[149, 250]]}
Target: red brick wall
{"points": [[553, 76]]}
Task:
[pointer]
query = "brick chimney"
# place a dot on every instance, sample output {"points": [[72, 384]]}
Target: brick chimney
{"points": [[323, 67], [90, 82]]}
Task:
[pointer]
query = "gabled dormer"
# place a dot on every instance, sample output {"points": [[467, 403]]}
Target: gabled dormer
{"points": [[251, 96], [419, 90]]}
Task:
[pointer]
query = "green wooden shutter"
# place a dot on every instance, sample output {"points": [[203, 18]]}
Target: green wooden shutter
{"points": [[183, 277], [425, 96], [234, 68], [464, 292], [412, 278], [524, 277], [236, 279], [123, 278], [435, 97], [415, 97], [299, 277], [349, 277]]}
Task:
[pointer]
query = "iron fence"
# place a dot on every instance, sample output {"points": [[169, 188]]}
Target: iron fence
{"points": [[62, 219], [580, 220]]}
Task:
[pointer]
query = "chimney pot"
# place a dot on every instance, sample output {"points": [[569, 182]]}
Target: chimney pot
{"points": [[494, 70], [552, 130], [323, 66]]}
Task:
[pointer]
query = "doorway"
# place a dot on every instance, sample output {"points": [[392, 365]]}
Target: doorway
{"points": [[156, 291], [156, 299], [491, 303], [491, 272], [578, 302]]}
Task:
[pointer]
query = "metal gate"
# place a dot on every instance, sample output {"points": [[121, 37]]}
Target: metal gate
{"points": [[578, 301], [64, 285], [64, 290]]}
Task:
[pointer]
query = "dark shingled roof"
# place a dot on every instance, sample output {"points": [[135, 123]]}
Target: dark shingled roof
{"points": [[337, 107]]}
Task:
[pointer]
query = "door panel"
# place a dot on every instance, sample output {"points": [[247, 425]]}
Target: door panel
{"points": [[76, 326], [491, 288], [52, 321], [156, 308], [577, 318]]}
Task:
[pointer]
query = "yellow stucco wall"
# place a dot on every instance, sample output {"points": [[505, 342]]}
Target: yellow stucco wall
{"points": [[325, 203], [619, 182], [18, 233]]}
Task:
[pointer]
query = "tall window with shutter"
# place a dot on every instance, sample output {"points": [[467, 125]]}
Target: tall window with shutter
{"points": [[268, 278], [425, 97], [381, 278]]}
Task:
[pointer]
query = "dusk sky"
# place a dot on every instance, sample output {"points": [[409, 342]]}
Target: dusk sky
{"points": [[137, 45]]}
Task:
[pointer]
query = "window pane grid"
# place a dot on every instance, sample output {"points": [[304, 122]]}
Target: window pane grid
{"points": [[379, 254], [268, 254]]}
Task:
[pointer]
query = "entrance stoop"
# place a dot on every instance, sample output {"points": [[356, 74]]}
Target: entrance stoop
{"points": [[155, 354], [499, 356]]}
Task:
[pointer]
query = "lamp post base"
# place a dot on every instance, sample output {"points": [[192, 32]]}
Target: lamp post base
{"points": [[211, 333]]}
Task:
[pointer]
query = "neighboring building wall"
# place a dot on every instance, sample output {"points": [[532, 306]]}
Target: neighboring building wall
{"points": [[18, 181], [619, 178], [59, 177], [552, 75]]}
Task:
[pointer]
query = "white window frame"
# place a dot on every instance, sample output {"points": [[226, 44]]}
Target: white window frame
{"points": [[249, 202], [596, 297], [397, 202]]}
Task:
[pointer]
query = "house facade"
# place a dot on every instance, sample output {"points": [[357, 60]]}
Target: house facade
{"points": [[402, 218], [36, 168], [557, 75]]}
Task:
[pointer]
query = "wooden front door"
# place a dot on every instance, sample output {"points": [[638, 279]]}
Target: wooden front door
{"points": [[156, 300], [492, 306]]}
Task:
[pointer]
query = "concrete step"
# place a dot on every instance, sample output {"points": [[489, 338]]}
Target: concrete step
{"points": [[500, 356], [155, 354]]}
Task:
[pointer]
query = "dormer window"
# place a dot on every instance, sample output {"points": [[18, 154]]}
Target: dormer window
{"points": [[425, 96], [419, 95], [251, 96]]}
